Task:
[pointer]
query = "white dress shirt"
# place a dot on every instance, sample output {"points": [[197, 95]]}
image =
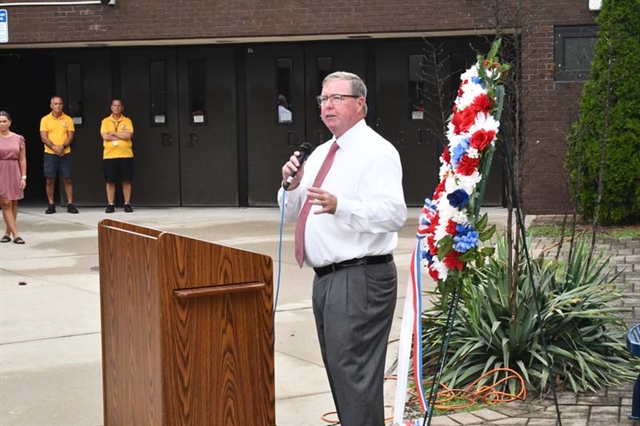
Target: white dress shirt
{"points": [[366, 178]]}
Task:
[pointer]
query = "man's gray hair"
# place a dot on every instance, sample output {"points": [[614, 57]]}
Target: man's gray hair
{"points": [[358, 88]]}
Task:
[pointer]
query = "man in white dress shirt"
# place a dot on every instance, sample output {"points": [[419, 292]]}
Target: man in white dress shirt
{"points": [[349, 236]]}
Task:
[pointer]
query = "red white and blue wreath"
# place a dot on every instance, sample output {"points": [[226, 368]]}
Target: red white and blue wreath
{"points": [[449, 229]]}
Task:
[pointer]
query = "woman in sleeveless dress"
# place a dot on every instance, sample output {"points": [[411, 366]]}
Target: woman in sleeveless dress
{"points": [[13, 177]]}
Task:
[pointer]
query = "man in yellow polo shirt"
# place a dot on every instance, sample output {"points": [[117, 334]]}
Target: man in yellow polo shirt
{"points": [[116, 131], [56, 132]]}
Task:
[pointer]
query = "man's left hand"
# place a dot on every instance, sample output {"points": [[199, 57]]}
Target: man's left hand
{"points": [[326, 200]]}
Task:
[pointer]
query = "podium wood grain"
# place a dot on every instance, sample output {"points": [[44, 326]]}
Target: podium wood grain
{"points": [[187, 330]]}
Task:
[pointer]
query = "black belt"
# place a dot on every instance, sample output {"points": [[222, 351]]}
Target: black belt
{"points": [[367, 260]]}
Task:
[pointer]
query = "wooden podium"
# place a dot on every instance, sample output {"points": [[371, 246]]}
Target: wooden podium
{"points": [[187, 330]]}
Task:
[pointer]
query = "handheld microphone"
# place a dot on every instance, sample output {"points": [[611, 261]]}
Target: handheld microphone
{"points": [[305, 151]]}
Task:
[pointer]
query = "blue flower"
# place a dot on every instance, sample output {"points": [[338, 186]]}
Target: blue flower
{"points": [[458, 198], [463, 243], [459, 151], [462, 229], [466, 239], [476, 80]]}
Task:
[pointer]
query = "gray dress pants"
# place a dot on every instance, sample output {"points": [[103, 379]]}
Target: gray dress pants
{"points": [[353, 309]]}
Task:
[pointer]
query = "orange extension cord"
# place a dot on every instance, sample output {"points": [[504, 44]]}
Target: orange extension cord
{"points": [[487, 395]]}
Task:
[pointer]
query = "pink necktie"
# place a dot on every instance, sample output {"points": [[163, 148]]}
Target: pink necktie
{"points": [[304, 213]]}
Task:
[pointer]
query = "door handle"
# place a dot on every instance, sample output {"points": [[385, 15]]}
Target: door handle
{"points": [[194, 140], [292, 139], [166, 140], [422, 140]]}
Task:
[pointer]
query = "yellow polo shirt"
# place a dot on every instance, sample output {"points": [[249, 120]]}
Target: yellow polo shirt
{"points": [[57, 129], [124, 147]]}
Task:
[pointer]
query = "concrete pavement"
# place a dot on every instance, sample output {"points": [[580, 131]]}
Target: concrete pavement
{"points": [[50, 345]]}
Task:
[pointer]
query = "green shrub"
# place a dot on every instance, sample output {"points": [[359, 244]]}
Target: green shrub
{"points": [[610, 115], [584, 331]]}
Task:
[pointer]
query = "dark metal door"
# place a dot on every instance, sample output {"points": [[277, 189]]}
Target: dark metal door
{"points": [[84, 81], [273, 73], [404, 124], [296, 73], [207, 136], [416, 84], [149, 94]]}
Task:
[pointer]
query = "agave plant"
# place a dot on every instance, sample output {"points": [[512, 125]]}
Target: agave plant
{"points": [[581, 320]]}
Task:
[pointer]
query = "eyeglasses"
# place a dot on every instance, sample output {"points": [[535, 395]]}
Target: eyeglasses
{"points": [[335, 99]]}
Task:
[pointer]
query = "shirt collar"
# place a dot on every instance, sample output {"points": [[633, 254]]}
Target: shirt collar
{"points": [[347, 140]]}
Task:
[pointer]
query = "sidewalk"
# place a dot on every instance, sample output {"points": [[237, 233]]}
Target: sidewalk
{"points": [[50, 346]]}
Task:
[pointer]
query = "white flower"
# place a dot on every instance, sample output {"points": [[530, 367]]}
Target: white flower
{"points": [[484, 122], [451, 185], [460, 217], [468, 74], [471, 92], [441, 229], [450, 131], [444, 170], [442, 269], [468, 183]]}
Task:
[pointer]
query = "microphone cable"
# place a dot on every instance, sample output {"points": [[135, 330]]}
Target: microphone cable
{"points": [[305, 151], [284, 206]]}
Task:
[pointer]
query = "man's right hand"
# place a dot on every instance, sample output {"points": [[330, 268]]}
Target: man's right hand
{"points": [[293, 165]]}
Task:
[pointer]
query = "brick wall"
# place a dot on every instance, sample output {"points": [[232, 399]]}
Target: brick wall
{"points": [[162, 19], [549, 107]]}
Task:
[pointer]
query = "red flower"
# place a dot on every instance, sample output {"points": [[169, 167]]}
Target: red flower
{"points": [[451, 261], [482, 138], [462, 120], [431, 242], [439, 190], [432, 227], [433, 274], [467, 165], [451, 228], [482, 103], [446, 155], [461, 88]]}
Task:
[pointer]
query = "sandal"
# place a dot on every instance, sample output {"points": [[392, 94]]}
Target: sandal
{"points": [[5, 239], [18, 240]]}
